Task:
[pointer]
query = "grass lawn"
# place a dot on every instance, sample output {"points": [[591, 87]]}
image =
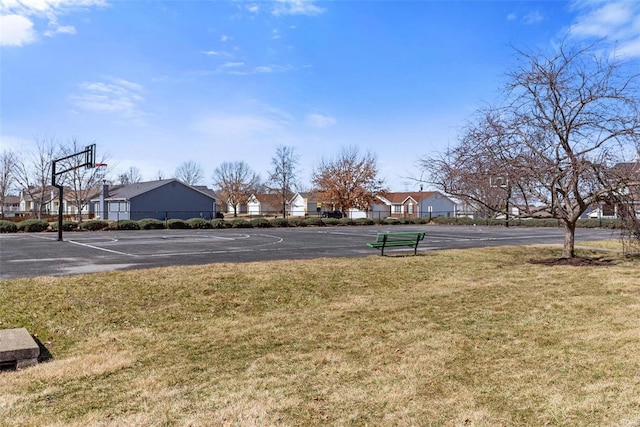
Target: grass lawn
{"points": [[475, 337]]}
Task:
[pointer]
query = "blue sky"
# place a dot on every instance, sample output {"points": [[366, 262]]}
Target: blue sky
{"points": [[158, 83]]}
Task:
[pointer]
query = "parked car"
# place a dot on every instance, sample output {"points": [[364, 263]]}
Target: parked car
{"points": [[332, 214]]}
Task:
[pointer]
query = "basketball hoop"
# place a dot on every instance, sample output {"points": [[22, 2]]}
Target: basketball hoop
{"points": [[101, 170]]}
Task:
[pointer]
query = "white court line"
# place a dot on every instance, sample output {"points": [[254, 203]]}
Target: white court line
{"points": [[101, 249], [259, 247]]}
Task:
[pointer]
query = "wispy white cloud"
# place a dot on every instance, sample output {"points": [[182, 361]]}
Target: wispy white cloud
{"points": [[251, 121], [253, 8], [533, 18], [619, 21], [296, 7], [225, 38], [19, 18], [113, 96], [238, 68], [319, 121]]}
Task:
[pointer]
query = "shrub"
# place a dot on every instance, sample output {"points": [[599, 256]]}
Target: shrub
{"points": [[66, 225], [459, 221], [297, 222], [240, 223], [331, 221], [199, 223], [260, 223], [315, 221], [8, 227], [150, 224], [32, 225], [280, 222], [363, 221], [391, 221], [220, 223], [94, 225], [125, 224], [407, 220], [598, 223], [177, 224], [345, 221]]}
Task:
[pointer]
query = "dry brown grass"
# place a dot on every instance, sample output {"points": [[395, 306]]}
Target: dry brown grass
{"points": [[477, 337]]}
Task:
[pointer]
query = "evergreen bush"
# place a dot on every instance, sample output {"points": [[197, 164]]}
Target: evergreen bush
{"points": [[125, 224], [66, 225], [297, 222], [178, 224], [220, 223], [94, 225], [390, 221], [150, 224], [261, 223], [32, 225], [314, 221], [199, 223], [240, 223], [8, 227], [363, 221], [280, 222]]}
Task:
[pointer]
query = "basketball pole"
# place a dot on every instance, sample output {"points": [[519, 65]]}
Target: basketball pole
{"points": [[89, 154]]}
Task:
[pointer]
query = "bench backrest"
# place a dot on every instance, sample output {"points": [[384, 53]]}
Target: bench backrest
{"points": [[398, 236]]}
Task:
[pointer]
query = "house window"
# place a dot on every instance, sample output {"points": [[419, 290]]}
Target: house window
{"points": [[410, 208], [396, 209]]}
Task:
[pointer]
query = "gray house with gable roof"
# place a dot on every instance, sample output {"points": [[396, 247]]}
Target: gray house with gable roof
{"points": [[163, 199]]}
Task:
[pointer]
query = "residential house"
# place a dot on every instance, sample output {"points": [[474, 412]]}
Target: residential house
{"points": [[262, 204], [48, 200], [162, 199], [418, 204], [10, 207], [298, 205]]}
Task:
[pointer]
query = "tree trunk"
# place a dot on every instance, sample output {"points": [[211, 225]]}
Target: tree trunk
{"points": [[568, 249]]}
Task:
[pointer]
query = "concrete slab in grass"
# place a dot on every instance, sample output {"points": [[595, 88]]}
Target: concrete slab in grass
{"points": [[18, 349]]}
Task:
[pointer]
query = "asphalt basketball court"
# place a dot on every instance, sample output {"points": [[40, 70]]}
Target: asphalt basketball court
{"points": [[41, 254]]}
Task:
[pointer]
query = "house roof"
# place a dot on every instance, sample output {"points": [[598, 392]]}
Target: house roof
{"points": [[268, 199], [128, 192], [402, 197], [12, 200]]}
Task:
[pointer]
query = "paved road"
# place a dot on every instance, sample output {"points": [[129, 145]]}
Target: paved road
{"points": [[40, 254]]}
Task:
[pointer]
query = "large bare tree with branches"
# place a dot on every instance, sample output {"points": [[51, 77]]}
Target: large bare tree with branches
{"points": [[130, 176], [8, 161], [283, 175], [33, 171], [234, 183], [568, 118], [349, 180], [190, 173]]}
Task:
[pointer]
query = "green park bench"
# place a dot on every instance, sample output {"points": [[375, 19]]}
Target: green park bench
{"points": [[395, 239]]}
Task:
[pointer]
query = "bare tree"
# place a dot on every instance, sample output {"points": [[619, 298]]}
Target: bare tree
{"points": [[283, 176], [569, 117], [7, 170], [190, 173], [349, 180], [131, 176], [160, 175], [84, 183], [33, 172], [235, 182]]}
